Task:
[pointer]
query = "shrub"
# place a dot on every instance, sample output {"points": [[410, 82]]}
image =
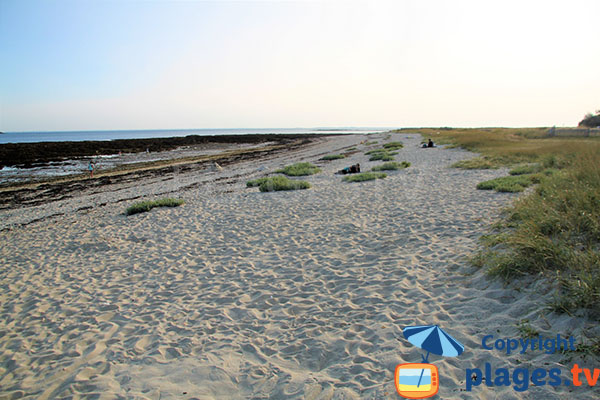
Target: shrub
{"points": [[277, 183], [299, 169], [365, 176], [590, 120], [391, 166], [144, 206], [333, 157]]}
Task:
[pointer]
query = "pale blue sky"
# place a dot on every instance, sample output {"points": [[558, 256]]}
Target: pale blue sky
{"points": [[89, 65]]}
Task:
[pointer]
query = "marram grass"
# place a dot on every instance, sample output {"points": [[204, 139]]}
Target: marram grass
{"points": [[277, 183], [381, 155], [555, 230], [299, 169], [257, 182], [331, 157], [393, 146], [391, 166], [148, 205], [364, 176]]}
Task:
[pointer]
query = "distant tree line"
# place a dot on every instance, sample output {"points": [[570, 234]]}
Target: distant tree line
{"points": [[591, 120]]}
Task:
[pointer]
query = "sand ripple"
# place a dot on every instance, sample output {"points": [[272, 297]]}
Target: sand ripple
{"points": [[241, 294]]}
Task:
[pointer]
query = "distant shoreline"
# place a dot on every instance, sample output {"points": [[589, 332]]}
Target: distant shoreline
{"points": [[27, 155]]}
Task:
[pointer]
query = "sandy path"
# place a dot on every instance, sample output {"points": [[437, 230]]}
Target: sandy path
{"points": [[241, 294]]}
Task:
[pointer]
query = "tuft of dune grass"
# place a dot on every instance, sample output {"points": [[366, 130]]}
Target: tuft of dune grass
{"points": [[525, 169], [256, 182], [393, 146], [148, 205], [331, 157], [364, 176], [391, 166], [277, 183], [513, 184], [381, 155], [299, 169]]}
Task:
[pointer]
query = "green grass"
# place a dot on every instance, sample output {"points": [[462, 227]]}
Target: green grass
{"points": [[257, 182], [148, 205], [526, 330], [391, 166], [331, 157], [299, 169], [475, 163], [277, 183], [364, 176], [525, 169], [393, 146], [553, 232], [512, 184], [381, 155]]}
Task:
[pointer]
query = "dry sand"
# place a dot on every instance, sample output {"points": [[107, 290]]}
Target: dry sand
{"points": [[239, 294]]}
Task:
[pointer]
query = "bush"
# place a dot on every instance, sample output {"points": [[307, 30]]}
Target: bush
{"points": [[299, 169], [590, 120], [365, 176], [333, 157], [144, 206], [391, 166], [278, 183]]}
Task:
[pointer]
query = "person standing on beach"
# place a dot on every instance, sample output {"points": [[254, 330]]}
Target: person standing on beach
{"points": [[91, 167]]}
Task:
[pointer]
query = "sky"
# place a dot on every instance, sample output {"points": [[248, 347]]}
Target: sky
{"points": [[102, 65]]}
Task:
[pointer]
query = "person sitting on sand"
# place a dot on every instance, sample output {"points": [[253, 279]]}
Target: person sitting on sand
{"points": [[353, 169], [430, 143]]}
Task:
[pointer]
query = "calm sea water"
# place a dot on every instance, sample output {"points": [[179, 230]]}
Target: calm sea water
{"points": [[77, 136]]}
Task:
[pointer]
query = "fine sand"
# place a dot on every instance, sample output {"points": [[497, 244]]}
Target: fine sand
{"points": [[239, 294]]}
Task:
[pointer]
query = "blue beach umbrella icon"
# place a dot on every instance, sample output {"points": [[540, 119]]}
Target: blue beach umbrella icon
{"points": [[433, 339]]}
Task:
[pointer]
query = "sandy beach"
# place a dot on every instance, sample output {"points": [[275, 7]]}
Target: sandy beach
{"points": [[240, 294]]}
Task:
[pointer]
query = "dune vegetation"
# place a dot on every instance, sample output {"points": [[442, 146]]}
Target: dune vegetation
{"points": [[391, 166], [364, 176], [277, 183], [554, 231], [299, 169], [148, 205], [331, 157]]}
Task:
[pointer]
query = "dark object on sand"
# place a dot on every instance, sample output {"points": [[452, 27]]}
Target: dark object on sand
{"points": [[428, 144], [353, 169]]}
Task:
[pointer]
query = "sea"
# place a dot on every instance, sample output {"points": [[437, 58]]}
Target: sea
{"points": [[77, 136], [16, 174]]}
